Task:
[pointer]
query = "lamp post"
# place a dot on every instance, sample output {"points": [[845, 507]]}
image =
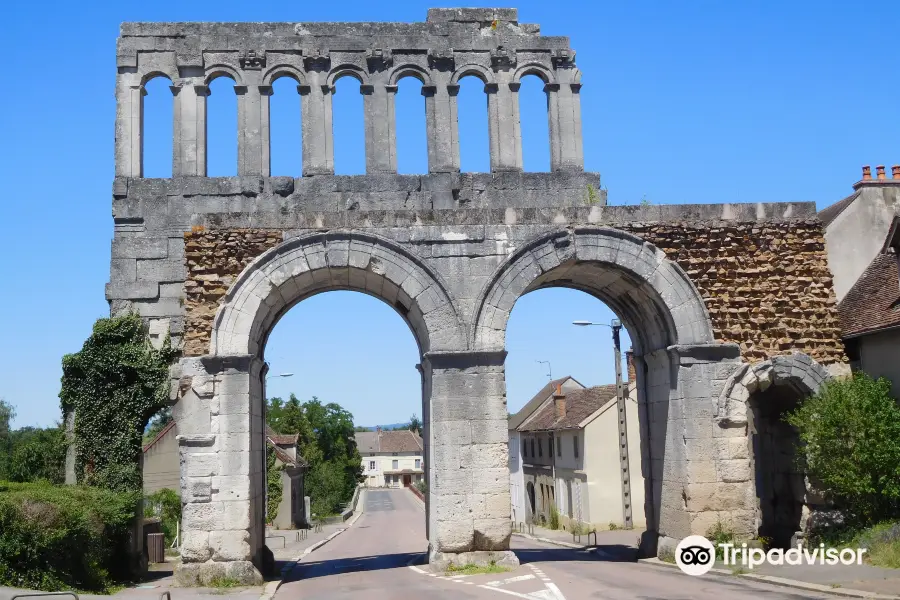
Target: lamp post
{"points": [[549, 370], [268, 377], [624, 463]]}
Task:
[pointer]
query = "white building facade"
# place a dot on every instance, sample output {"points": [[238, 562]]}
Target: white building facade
{"points": [[391, 458]]}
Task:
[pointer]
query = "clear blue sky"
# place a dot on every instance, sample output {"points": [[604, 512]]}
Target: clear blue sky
{"points": [[682, 102]]}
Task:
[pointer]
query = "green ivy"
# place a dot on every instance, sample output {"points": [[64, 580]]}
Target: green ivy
{"points": [[274, 487], [115, 384]]}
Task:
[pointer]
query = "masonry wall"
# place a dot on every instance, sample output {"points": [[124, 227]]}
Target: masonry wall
{"points": [[766, 285]]}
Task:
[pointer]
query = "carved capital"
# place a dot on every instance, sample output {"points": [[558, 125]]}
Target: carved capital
{"points": [[576, 87], [563, 59], [251, 60], [453, 89], [240, 90], [379, 59], [317, 59], [429, 90], [501, 58], [391, 89], [366, 89], [514, 86], [491, 88], [551, 87], [441, 60], [265, 90], [303, 89], [201, 90]]}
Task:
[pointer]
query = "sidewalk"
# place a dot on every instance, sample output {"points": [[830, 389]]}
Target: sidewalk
{"points": [[620, 544]]}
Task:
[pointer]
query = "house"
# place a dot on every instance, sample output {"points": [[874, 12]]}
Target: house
{"points": [[516, 473], [391, 458], [862, 238], [870, 314], [568, 452], [161, 466]]}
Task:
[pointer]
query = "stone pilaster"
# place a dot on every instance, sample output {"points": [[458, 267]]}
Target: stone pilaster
{"points": [[564, 111], [189, 128], [253, 129], [468, 477], [380, 126], [442, 127], [318, 136], [129, 125], [221, 442], [503, 122]]}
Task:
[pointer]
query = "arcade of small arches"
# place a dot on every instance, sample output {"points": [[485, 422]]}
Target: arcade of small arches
{"points": [[254, 86]]}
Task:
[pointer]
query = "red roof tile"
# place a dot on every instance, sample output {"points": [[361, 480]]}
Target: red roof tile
{"points": [[873, 303], [580, 404]]}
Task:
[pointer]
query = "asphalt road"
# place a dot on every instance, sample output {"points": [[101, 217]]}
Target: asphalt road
{"points": [[382, 556]]}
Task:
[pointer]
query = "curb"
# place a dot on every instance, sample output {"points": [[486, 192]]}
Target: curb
{"points": [[781, 581], [273, 586], [550, 541]]}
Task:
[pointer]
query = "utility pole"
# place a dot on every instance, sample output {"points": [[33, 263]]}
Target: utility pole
{"points": [[621, 412]]}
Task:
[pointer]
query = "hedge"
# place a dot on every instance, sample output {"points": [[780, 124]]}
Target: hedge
{"points": [[64, 537]]}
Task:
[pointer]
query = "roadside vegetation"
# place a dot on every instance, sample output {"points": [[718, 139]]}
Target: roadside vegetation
{"points": [[490, 568]]}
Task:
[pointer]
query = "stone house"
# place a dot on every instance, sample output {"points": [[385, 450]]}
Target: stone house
{"points": [[862, 237], [569, 455], [391, 458], [162, 469], [516, 466]]}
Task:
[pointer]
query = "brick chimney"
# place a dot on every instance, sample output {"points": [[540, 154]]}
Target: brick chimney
{"points": [[629, 360], [560, 400]]}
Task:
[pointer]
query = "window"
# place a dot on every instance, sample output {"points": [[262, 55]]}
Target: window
{"points": [[575, 444], [395, 464], [418, 463], [371, 465], [524, 448], [559, 446], [551, 446], [540, 447], [532, 447]]}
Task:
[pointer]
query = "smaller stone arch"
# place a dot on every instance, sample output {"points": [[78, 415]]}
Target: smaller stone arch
{"points": [[213, 72], [480, 71], [284, 70], [409, 70], [347, 70], [151, 75], [545, 73], [797, 371]]}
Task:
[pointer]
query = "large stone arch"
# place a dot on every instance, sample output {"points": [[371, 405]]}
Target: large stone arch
{"points": [[679, 365], [656, 300], [337, 260]]}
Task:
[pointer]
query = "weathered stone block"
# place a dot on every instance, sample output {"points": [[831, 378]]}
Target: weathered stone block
{"points": [[230, 545]]}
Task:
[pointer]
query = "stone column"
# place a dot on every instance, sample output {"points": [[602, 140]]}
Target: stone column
{"points": [[442, 127], [189, 128], [468, 477], [688, 494], [129, 125], [380, 127], [253, 129], [505, 130], [564, 113], [220, 422], [318, 136]]}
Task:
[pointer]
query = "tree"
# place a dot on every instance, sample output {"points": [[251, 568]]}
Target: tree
{"points": [[7, 414], [157, 424], [37, 454], [415, 424], [850, 434]]}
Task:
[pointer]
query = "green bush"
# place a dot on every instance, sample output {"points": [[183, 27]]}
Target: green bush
{"points": [[422, 487], [165, 504], [554, 517], [64, 537], [850, 443]]}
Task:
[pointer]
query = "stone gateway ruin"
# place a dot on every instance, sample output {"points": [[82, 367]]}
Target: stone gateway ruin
{"points": [[729, 306]]}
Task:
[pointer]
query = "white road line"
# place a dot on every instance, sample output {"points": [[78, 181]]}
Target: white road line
{"points": [[510, 580], [511, 593]]}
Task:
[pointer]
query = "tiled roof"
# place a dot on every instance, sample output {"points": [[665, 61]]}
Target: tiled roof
{"points": [[280, 439], [830, 213], [533, 404], [286, 458], [162, 432], [580, 404], [873, 303], [374, 442]]}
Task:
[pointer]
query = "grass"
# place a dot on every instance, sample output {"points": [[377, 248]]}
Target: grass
{"points": [[476, 569], [882, 543], [224, 583]]}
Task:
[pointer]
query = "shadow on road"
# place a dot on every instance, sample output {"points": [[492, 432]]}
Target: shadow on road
{"points": [[324, 568], [606, 553]]}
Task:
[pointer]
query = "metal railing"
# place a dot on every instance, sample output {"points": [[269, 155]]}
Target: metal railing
{"points": [[33, 594]]}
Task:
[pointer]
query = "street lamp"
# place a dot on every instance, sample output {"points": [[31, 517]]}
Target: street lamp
{"points": [[549, 370], [616, 326], [268, 377]]}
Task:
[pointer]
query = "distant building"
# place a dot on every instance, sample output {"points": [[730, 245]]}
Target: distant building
{"points": [[566, 450], [162, 469], [391, 458]]}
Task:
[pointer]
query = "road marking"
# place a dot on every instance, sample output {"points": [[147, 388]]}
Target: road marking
{"points": [[511, 580]]}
